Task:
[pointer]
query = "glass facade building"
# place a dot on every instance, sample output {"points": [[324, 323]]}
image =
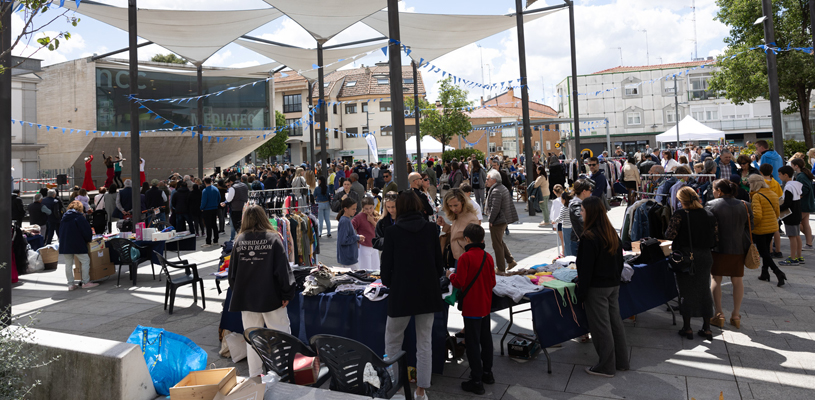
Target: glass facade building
{"points": [[247, 108]]}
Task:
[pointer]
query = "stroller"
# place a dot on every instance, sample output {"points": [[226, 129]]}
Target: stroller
{"points": [[99, 221]]}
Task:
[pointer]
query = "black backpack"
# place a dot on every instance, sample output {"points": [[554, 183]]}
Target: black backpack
{"points": [[475, 179]]}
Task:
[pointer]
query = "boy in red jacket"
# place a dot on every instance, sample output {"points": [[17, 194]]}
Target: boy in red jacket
{"points": [[477, 303]]}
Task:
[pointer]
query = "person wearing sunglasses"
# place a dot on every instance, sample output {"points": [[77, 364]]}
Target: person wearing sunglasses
{"points": [[598, 177], [417, 184]]}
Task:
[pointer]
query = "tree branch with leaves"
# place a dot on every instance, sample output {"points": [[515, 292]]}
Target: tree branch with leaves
{"points": [[30, 9], [276, 145]]}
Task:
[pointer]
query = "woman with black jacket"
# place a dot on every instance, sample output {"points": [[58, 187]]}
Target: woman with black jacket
{"points": [[412, 273], [690, 230], [260, 277], [557, 176], [194, 208], [599, 266]]}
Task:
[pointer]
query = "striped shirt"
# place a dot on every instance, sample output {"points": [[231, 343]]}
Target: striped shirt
{"points": [[564, 218]]}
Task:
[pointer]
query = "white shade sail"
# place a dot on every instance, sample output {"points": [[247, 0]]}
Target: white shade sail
{"points": [[429, 145], [431, 36], [305, 59], [690, 130], [256, 71], [323, 19], [194, 35]]}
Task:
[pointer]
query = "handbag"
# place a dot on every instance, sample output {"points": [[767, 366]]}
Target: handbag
{"points": [[449, 260], [462, 294], [753, 258], [681, 261]]}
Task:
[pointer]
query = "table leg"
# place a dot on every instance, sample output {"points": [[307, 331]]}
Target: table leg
{"points": [[548, 361], [509, 326], [671, 309]]}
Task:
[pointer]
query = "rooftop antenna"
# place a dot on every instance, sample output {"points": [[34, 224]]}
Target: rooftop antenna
{"points": [[695, 41], [647, 53], [621, 54]]}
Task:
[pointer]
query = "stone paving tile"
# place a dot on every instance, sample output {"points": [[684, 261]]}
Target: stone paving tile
{"points": [[629, 385], [778, 391], [452, 386], [521, 392], [683, 362], [704, 388], [531, 373]]}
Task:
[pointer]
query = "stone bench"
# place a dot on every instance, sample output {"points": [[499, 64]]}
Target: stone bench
{"points": [[90, 369]]}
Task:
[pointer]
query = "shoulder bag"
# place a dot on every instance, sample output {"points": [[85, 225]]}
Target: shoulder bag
{"points": [[753, 258], [462, 294], [681, 261]]}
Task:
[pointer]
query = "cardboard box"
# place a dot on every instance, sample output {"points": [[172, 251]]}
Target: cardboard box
{"points": [[50, 258], [665, 245], [101, 266], [95, 245], [147, 234], [204, 385], [246, 389], [306, 369]]}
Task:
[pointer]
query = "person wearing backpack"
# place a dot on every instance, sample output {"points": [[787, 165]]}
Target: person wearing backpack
{"points": [[475, 276], [478, 178]]}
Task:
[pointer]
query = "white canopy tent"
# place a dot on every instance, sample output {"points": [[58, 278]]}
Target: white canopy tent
{"points": [[195, 35], [324, 19], [431, 36], [305, 59], [690, 130], [429, 145]]}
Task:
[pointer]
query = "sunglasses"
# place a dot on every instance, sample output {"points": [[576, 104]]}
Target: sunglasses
{"points": [[592, 165], [425, 179]]}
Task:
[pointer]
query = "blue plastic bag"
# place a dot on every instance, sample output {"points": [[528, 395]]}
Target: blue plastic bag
{"points": [[169, 356]]}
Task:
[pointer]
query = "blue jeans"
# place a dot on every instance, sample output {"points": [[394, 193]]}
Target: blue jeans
{"points": [[184, 220], [324, 214], [567, 242], [574, 248]]}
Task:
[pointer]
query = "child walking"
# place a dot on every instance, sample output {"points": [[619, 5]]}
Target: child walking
{"points": [[475, 276], [792, 203], [365, 224], [347, 238], [563, 222]]}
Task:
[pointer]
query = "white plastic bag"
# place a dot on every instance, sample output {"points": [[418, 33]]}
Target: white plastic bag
{"points": [[237, 346], [35, 263]]}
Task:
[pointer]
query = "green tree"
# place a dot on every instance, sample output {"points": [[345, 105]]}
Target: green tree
{"points": [[168, 58], [277, 144], [448, 122], [744, 79], [28, 10]]}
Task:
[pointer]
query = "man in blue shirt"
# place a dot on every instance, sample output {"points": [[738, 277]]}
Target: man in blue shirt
{"points": [[767, 156], [210, 199]]}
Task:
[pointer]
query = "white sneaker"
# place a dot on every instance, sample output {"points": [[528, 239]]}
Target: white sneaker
{"points": [[72, 287], [89, 285], [422, 397]]}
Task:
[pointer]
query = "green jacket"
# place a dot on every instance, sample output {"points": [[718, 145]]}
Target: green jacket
{"points": [[807, 195]]}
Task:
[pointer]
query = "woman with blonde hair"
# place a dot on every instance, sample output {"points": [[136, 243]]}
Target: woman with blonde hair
{"points": [[311, 180], [460, 211], [765, 206], [691, 234], [262, 281]]}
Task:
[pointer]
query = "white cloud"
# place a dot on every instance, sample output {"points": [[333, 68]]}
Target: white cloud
{"points": [[220, 58], [404, 8]]}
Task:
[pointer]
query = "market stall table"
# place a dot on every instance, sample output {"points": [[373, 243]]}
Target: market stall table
{"points": [[553, 322], [179, 243], [351, 316]]}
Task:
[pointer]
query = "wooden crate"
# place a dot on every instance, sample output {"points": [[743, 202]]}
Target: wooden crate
{"points": [[204, 385]]}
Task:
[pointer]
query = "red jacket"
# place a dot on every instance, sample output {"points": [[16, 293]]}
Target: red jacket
{"points": [[478, 301]]}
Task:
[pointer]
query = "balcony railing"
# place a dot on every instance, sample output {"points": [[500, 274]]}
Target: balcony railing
{"points": [[740, 124]]}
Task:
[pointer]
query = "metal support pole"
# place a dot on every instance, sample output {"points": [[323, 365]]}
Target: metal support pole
{"points": [[416, 116], [812, 20], [5, 163], [676, 110], [200, 113], [135, 177], [772, 77], [323, 112], [530, 166], [574, 85], [397, 98], [311, 143]]}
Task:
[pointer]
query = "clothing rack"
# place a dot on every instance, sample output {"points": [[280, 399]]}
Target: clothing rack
{"points": [[261, 197]]}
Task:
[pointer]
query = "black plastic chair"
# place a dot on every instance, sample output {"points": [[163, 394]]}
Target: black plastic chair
{"points": [[123, 248], [277, 350], [173, 283], [346, 360]]}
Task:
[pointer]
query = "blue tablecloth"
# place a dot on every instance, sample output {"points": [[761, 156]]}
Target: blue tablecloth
{"points": [[35, 241], [651, 286], [350, 316]]}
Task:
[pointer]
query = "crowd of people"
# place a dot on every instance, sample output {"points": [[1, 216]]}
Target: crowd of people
{"points": [[436, 224]]}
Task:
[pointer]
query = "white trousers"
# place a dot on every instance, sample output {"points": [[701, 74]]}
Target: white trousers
{"points": [[368, 258], [84, 266], [277, 320]]}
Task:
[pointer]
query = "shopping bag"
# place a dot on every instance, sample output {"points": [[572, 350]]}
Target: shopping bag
{"points": [[169, 356]]}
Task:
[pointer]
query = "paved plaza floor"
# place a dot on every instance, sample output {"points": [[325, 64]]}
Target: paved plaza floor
{"points": [[771, 356]]}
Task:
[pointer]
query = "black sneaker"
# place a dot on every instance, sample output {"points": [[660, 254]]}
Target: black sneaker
{"points": [[777, 254], [488, 378], [473, 386]]}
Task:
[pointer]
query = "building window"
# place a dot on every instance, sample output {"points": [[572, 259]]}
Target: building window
{"points": [[364, 130], [335, 109], [385, 133], [698, 115], [382, 80], [711, 115], [670, 116], [634, 118], [699, 89], [492, 133], [632, 90], [408, 81], [351, 84], [364, 107], [292, 103], [298, 129], [350, 132], [384, 106], [325, 85], [351, 108], [336, 134], [548, 145], [492, 147]]}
